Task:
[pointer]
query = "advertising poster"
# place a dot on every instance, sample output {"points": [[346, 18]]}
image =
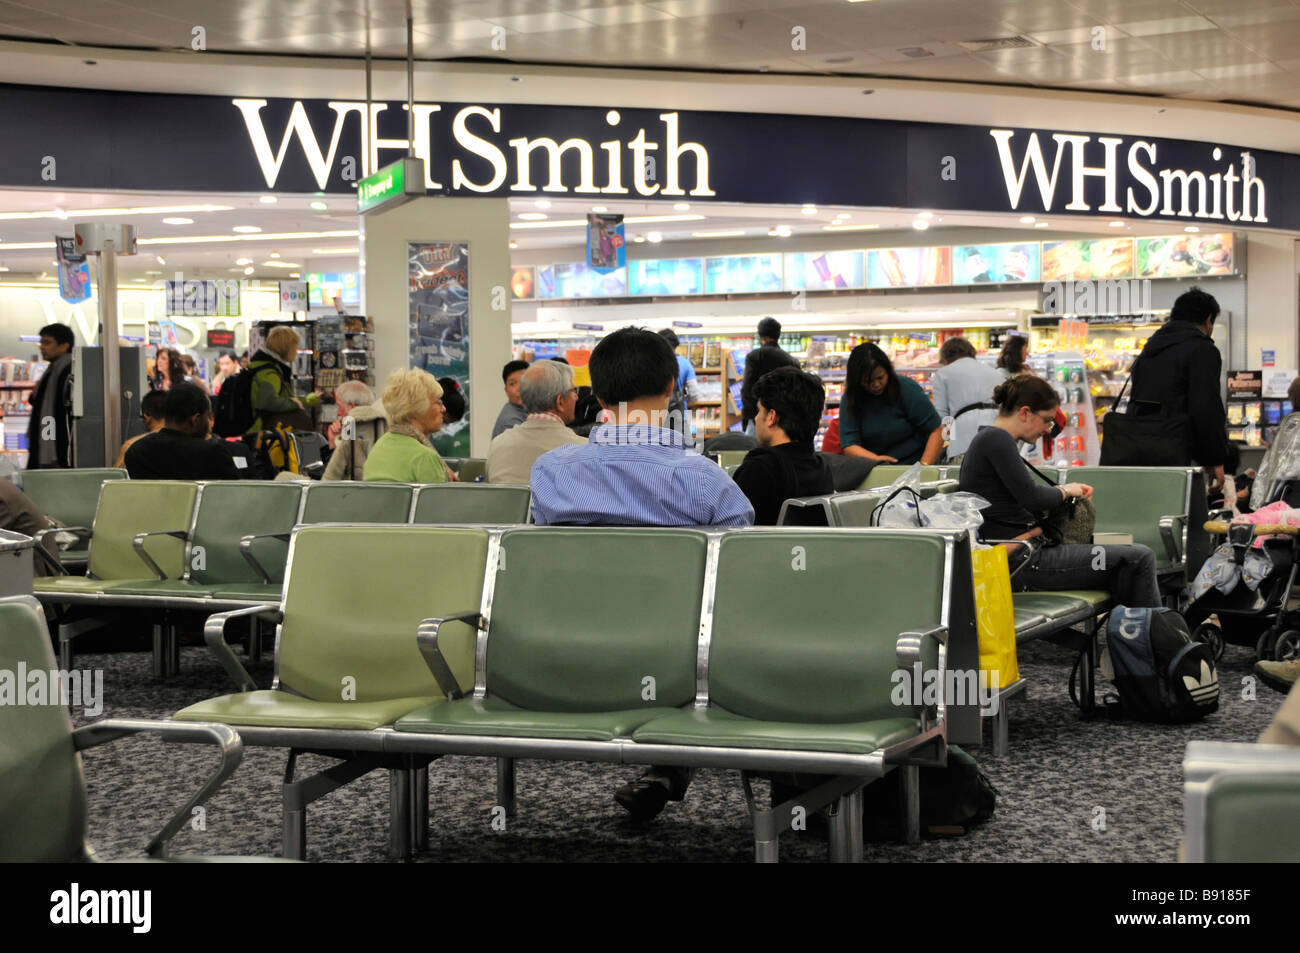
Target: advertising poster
{"points": [[742, 274], [824, 271], [579, 280], [980, 264], [438, 311], [1083, 260], [1185, 256], [908, 267], [606, 248], [74, 272], [667, 276], [523, 283]]}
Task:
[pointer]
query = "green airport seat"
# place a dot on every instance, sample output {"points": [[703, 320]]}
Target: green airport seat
{"points": [[42, 789], [1151, 503], [1062, 604], [480, 503], [347, 659], [731, 458], [855, 509], [344, 501], [70, 496], [1240, 802], [886, 473], [472, 469], [807, 511]]}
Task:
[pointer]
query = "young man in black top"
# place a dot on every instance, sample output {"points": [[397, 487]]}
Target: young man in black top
{"points": [[768, 356], [182, 450], [784, 464]]}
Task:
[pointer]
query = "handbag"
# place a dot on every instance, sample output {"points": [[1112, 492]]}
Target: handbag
{"points": [[1144, 440], [1071, 521], [995, 616]]}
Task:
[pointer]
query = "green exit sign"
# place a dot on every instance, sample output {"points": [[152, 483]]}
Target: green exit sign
{"points": [[391, 186]]}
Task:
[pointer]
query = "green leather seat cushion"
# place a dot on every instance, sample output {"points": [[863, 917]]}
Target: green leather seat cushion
{"points": [[1025, 618], [53, 585], [490, 716], [1056, 605], [717, 727], [276, 709], [250, 591], [159, 587]]}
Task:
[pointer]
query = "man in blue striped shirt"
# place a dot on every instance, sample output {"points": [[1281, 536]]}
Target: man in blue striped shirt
{"points": [[633, 472]]}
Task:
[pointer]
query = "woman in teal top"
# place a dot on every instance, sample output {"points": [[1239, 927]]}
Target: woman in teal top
{"points": [[413, 399], [885, 417]]}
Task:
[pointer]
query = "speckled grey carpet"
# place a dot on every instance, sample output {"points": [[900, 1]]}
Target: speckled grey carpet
{"points": [[1059, 773]]}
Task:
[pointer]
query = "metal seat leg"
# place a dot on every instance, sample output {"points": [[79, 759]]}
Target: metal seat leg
{"points": [[910, 792], [506, 785], [420, 808], [399, 810], [854, 804], [837, 817]]}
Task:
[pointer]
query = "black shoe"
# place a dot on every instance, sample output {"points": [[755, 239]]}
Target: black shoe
{"points": [[643, 798]]}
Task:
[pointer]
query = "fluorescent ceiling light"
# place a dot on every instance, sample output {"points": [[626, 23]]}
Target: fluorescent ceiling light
{"points": [[631, 220], [1116, 224], [733, 233], [178, 221], [248, 270], [920, 225], [849, 228], [99, 212], [840, 216], [268, 200], [543, 203], [533, 216], [925, 215], [682, 206], [1026, 219], [599, 208], [281, 264], [336, 251], [243, 261], [247, 229], [1040, 224], [267, 237], [1192, 228], [319, 206]]}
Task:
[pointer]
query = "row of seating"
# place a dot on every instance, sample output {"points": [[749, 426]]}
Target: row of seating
{"points": [[171, 545], [623, 645]]}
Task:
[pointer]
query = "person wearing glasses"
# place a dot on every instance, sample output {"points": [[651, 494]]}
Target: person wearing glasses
{"points": [[413, 399], [1018, 500], [152, 413], [548, 396]]}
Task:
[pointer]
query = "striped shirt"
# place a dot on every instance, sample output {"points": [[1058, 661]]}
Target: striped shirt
{"points": [[634, 476]]}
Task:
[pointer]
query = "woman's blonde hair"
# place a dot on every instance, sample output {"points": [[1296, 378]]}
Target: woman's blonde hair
{"points": [[283, 342], [409, 394]]}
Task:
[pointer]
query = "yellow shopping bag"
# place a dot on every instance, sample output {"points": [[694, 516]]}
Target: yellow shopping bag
{"points": [[995, 616]]}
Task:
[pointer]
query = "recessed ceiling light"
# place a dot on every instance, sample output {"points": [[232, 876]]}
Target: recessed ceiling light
{"points": [[1040, 224], [101, 212], [780, 231], [599, 208], [925, 215], [1026, 219], [654, 238], [248, 270], [55, 263], [246, 229], [732, 233], [275, 254], [294, 274], [809, 209], [1192, 228], [137, 279], [638, 239], [60, 213], [243, 261], [281, 264], [850, 228], [268, 200], [319, 206], [533, 216], [178, 221], [160, 259], [514, 244], [543, 203], [4, 267], [841, 216], [153, 272], [335, 251], [681, 206], [582, 222], [1116, 224], [920, 225]]}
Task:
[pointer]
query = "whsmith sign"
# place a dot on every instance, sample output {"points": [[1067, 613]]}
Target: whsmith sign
{"points": [[110, 140]]}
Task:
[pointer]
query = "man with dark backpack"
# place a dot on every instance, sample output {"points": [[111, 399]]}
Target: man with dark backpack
{"points": [[685, 387], [233, 411]]}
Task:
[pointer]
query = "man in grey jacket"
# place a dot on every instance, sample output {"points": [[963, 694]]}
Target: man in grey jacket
{"points": [[362, 420], [963, 393]]}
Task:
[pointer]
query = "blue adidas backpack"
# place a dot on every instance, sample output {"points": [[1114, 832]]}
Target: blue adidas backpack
{"points": [[1160, 673]]}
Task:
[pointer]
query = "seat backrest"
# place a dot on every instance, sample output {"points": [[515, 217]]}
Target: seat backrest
{"points": [[1132, 500], [42, 794], [855, 509], [310, 448], [70, 496], [232, 509], [805, 511], [472, 469], [489, 503], [886, 474], [581, 616], [1250, 817], [806, 624], [354, 598], [344, 501], [128, 507], [728, 458]]}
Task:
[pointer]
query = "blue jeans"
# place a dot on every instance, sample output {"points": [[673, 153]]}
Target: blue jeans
{"points": [[1128, 573]]}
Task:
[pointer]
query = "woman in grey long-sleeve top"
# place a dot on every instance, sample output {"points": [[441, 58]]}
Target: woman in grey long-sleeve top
{"points": [[993, 469], [963, 391]]}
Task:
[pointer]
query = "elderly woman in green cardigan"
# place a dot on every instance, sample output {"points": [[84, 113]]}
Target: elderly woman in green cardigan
{"points": [[413, 399], [271, 391]]}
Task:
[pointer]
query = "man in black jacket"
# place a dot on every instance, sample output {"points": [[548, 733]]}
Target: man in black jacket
{"points": [[48, 445], [766, 357], [784, 465], [183, 449], [1179, 369]]}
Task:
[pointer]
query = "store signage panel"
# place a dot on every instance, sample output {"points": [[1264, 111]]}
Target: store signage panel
{"points": [[523, 283], [825, 271], [982, 264], [1083, 260], [666, 276], [220, 338], [1185, 256], [908, 267], [742, 274], [438, 293]]}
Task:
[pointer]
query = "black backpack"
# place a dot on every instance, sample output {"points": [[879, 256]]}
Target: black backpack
{"points": [[676, 419], [954, 798], [233, 412], [1160, 673]]}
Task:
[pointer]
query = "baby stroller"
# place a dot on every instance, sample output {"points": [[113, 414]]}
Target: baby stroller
{"points": [[1259, 580]]}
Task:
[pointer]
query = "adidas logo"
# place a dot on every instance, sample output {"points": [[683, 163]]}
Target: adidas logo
{"points": [[1206, 689]]}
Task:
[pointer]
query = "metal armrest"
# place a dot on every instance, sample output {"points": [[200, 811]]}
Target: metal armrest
{"points": [[246, 550], [1172, 529], [1013, 542], [426, 636], [214, 634], [908, 652], [224, 737], [137, 543], [40, 536]]}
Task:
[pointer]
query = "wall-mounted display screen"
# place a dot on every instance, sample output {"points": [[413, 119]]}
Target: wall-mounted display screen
{"points": [[742, 274], [666, 276], [824, 271], [1082, 260], [981, 264], [523, 282], [908, 267], [203, 298], [579, 280], [1184, 255], [322, 289]]}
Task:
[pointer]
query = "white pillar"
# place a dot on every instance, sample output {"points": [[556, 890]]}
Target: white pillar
{"points": [[485, 225], [1272, 301]]}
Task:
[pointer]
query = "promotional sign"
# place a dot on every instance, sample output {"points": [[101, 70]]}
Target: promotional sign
{"points": [[1244, 385], [606, 247], [1185, 256], [742, 274], [1277, 382], [223, 339], [74, 272], [908, 267], [824, 271], [438, 313], [980, 264], [523, 282], [325, 290], [293, 296], [1083, 260], [666, 276], [203, 298]]}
